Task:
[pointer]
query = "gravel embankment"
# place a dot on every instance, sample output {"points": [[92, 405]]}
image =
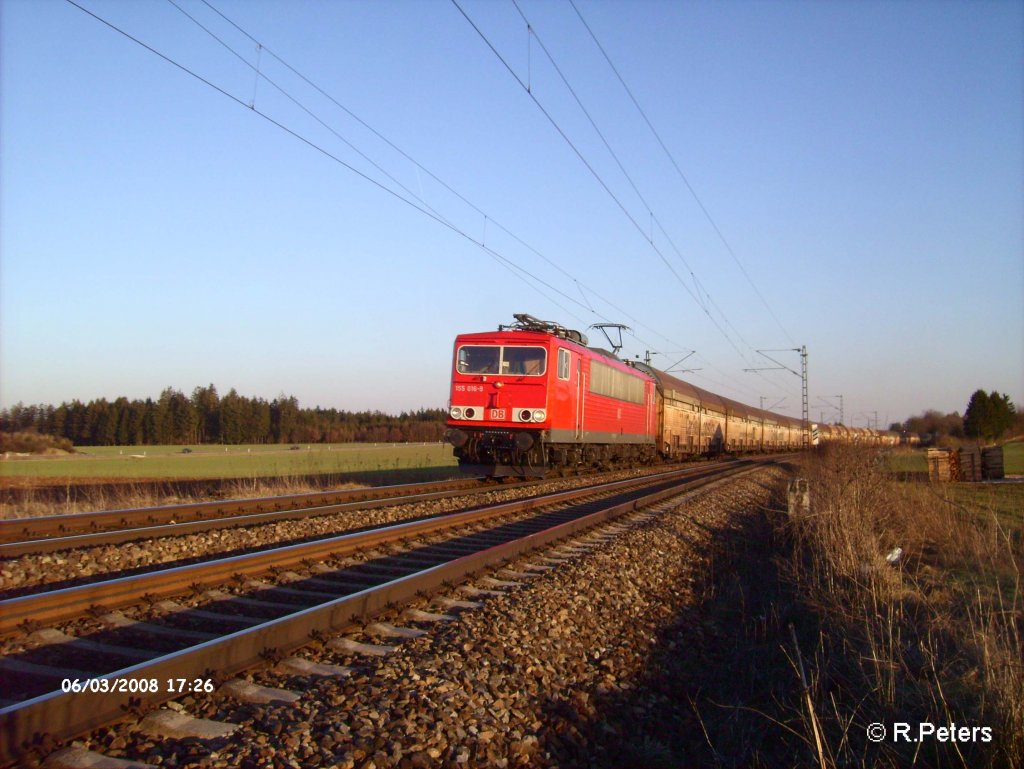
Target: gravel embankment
{"points": [[590, 664]]}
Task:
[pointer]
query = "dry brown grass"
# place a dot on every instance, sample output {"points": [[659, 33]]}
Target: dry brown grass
{"points": [[935, 638], [89, 498]]}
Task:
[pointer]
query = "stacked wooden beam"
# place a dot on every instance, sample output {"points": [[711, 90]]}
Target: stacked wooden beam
{"points": [[992, 463], [940, 465], [970, 464]]}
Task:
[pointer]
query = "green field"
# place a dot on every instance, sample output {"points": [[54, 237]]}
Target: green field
{"points": [[1013, 458], [275, 460], [259, 461]]}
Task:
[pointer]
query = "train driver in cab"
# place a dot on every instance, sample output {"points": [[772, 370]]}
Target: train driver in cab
{"points": [[478, 360]]}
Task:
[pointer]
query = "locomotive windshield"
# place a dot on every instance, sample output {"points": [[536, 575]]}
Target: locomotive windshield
{"points": [[510, 361], [479, 360]]}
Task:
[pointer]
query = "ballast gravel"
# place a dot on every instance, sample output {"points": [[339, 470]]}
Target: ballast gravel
{"points": [[576, 668], [35, 573]]}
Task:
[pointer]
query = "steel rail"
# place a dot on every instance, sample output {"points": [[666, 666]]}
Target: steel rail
{"points": [[112, 537], [69, 603], [43, 527], [61, 716]]}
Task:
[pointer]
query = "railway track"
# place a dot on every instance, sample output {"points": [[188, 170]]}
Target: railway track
{"points": [[130, 639], [96, 557], [47, 534], [50, 534]]}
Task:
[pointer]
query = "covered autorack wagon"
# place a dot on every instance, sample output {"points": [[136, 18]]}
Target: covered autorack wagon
{"points": [[693, 421]]}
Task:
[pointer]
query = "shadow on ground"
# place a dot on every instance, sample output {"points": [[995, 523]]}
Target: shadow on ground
{"points": [[712, 692]]}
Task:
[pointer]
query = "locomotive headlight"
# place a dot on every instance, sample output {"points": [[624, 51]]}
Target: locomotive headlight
{"points": [[470, 412], [526, 415], [456, 412], [539, 415]]}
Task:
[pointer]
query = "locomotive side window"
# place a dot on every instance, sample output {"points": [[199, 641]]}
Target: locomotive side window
{"points": [[519, 361], [479, 360], [608, 381], [563, 364]]}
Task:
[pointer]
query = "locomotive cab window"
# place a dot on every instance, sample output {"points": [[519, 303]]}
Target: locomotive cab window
{"points": [[508, 361], [479, 360], [523, 361], [563, 364]]}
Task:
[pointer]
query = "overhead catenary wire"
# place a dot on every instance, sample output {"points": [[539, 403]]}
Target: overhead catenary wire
{"points": [[517, 270], [488, 219], [701, 291], [679, 171], [520, 272], [654, 219], [604, 185], [697, 284], [593, 124], [258, 75]]}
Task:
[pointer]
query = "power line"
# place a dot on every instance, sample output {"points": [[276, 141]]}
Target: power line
{"points": [[420, 166], [565, 81], [597, 176], [487, 218], [532, 32], [255, 68], [518, 271], [693, 192], [698, 286]]}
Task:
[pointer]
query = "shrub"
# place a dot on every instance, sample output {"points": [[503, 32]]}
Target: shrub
{"points": [[30, 442]]}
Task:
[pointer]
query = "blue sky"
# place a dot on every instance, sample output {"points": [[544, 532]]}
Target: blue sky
{"points": [[861, 161]]}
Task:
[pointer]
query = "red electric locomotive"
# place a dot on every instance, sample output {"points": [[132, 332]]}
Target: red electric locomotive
{"points": [[532, 397]]}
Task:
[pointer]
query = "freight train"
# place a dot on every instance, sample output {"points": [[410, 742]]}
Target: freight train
{"points": [[532, 398]]}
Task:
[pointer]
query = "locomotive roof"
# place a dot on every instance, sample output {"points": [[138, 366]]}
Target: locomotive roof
{"points": [[525, 322], [528, 334]]}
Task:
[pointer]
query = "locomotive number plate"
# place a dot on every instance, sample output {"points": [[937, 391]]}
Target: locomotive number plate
{"points": [[496, 414]]}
